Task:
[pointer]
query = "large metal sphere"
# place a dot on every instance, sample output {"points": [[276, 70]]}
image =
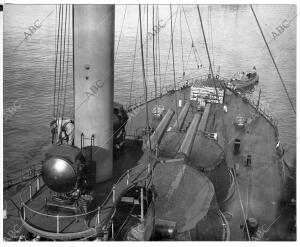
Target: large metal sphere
{"points": [[59, 175]]}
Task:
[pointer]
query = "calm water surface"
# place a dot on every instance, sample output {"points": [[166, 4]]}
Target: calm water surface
{"points": [[234, 41]]}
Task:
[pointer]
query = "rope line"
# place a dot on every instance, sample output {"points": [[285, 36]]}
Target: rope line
{"points": [[158, 47], [144, 73], [153, 55], [242, 207], [282, 82], [63, 65], [133, 62], [212, 73], [56, 55], [169, 51], [120, 34], [193, 44], [67, 65], [181, 43], [174, 76], [60, 59]]}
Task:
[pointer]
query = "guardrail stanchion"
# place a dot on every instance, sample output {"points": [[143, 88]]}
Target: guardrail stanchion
{"points": [[98, 216], [24, 215], [114, 194], [37, 183], [57, 224], [112, 230], [30, 191], [128, 176], [142, 205]]}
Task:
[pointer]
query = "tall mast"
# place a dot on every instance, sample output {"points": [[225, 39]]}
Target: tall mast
{"points": [[94, 78]]}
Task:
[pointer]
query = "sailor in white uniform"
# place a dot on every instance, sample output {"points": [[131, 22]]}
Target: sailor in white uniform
{"points": [[64, 128]]}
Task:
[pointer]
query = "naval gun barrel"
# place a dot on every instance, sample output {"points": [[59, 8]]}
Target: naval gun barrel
{"points": [[204, 119], [188, 141], [156, 137], [182, 116]]}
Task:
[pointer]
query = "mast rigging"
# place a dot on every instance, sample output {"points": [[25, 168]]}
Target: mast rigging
{"points": [[282, 82], [207, 51]]}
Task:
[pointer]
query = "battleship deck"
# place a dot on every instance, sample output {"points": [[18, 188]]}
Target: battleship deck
{"points": [[257, 188]]}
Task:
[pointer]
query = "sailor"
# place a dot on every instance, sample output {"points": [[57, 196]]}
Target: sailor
{"points": [[64, 129], [225, 108]]}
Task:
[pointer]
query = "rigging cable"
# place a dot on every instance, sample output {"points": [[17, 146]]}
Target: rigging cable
{"points": [[173, 64], [67, 65], [55, 64], [63, 66], [153, 55], [169, 50], [154, 68], [73, 62], [211, 36], [133, 62], [144, 74], [242, 207], [60, 69], [193, 44], [212, 73], [282, 82], [120, 34], [145, 84], [158, 47], [181, 44], [147, 52]]}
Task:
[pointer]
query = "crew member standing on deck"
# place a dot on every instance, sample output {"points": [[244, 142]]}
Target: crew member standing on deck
{"points": [[64, 129]]}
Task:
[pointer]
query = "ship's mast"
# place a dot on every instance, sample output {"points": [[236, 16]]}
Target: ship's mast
{"points": [[94, 78]]}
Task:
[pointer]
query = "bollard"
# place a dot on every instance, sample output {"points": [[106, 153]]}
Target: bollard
{"points": [[237, 144], [248, 162]]}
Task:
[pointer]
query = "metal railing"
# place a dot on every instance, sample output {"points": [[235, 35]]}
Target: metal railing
{"points": [[101, 215], [22, 175], [258, 106], [181, 81], [164, 91]]}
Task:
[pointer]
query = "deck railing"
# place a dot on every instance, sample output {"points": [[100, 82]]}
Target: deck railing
{"points": [[181, 81], [22, 175], [101, 215], [257, 105]]}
